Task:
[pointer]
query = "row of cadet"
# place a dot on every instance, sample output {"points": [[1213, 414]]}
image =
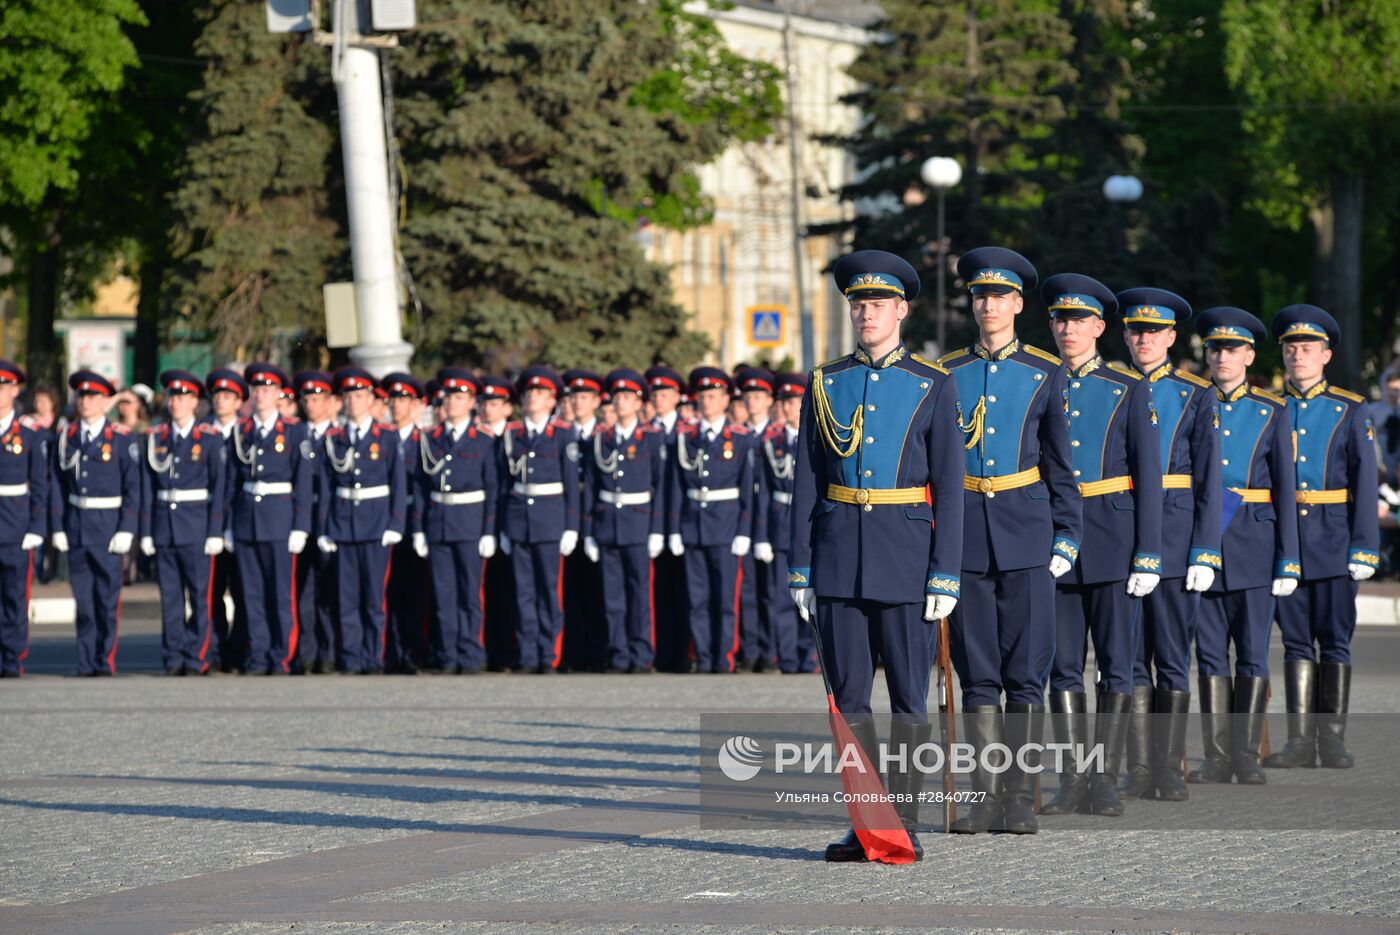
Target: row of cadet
{"points": [[447, 538]]}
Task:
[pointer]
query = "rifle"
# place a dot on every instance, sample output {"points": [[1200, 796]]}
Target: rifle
{"points": [[946, 722]]}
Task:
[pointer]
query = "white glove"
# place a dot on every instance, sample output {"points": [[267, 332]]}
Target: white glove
{"points": [[1058, 565], [938, 606], [740, 546], [420, 544], [763, 552], [60, 541], [806, 601], [1142, 583], [675, 544], [31, 541], [1199, 577], [568, 542], [214, 545], [590, 549], [505, 544], [228, 541], [325, 544], [655, 544], [390, 538], [486, 546], [120, 544], [296, 542], [1360, 572], [148, 546], [1283, 587]]}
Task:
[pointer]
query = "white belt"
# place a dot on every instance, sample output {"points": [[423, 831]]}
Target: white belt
{"points": [[261, 488], [712, 496], [625, 499], [182, 496], [356, 494], [95, 503], [782, 496], [448, 498], [555, 489], [14, 490]]}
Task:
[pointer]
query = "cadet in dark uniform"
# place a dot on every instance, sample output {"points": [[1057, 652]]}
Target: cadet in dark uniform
{"points": [[539, 524], [271, 516], [184, 472], [1186, 429], [496, 402], [712, 490], [792, 646], [668, 568], [758, 591], [877, 518], [24, 497], [1022, 530], [229, 649], [623, 520], [1260, 548], [94, 502], [458, 494], [1116, 460], [409, 587], [585, 645], [318, 595], [362, 517], [1338, 530]]}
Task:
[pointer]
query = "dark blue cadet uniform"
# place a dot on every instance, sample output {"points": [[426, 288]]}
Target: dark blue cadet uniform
{"points": [[669, 590], [792, 645], [585, 638], [24, 486], [408, 593], [318, 596], [229, 647]]}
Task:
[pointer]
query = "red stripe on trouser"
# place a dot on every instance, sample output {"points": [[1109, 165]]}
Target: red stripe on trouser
{"points": [[116, 634], [738, 591], [208, 618], [296, 622], [559, 637], [651, 600], [24, 611], [384, 630], [481, 607]]}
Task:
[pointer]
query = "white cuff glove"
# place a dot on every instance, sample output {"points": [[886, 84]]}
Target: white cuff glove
{"points": [[214, 545], [1360, 572], [505, 544], [568, 542], [741, 546], [1199, 578], [1283, 587], [938, 606], [1058, 565], [675, 544], [325, 544], [486, 546], [806, 601], [656, 543], [31, 541], [296, 542], [763, 552], [228, 541], [1142, 583], [120, 544], [148, 546], [590, 549], [420, 544], [60, 541], [390, 538]]}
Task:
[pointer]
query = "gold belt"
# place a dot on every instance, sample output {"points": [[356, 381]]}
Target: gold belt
{"points": [[1341, 495], [1097, 488], [1176, 481], [864, 496], [1254, 494], [986, 485]]}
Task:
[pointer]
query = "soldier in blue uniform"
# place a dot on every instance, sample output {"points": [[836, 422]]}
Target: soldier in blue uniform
{"points": [[496, 402], [668, 593], [1259, 546], [792, 647], [24, 497], [229, 648], [94, 502], [877, 519], [455, 522], [1022, 530], [711, 480], [409, 587], [317, 591], [269, 522], [361, 518], [539, 521], [759, 592], [1338, 529], [184, 472], [1186, 429], [585, 645], [1116, 460]]}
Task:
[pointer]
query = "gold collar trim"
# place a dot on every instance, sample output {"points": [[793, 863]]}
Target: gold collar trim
{"points": [[892, 357], [1002, 354], [1089, 367], [1318, 389], [1234, 395], [1159, 373]]}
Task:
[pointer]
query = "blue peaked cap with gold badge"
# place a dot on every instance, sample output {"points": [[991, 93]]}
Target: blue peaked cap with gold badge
{"points": [[877, 274], [996, 270], [1150, 308], [1227, 326], [1306, 323], [1071, 295]]}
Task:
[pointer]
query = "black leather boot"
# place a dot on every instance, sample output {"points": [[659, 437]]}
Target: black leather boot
{"points": [[1300, 687], [1069, 722], [849, 848], [1137, 778], [984, 727], [1333, 699], [1111, 730], [1215, 730], [1247, 730], [906, 780], [1169, 744], [1024, 724]]}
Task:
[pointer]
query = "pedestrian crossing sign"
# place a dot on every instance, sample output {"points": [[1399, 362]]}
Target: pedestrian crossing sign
{"points": [[767, 324]]}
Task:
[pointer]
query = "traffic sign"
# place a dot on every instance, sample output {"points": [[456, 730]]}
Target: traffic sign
{"points": [[766, 324]]}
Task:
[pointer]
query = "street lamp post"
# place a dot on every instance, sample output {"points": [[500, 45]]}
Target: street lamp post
{"points": [[1122, 190], [941, 173]]}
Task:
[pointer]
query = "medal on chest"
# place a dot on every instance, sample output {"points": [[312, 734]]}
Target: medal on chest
{"points": [[194, 452], [279, 444], [374, 451], [728, 451], [631, 453], [106, 452]]}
